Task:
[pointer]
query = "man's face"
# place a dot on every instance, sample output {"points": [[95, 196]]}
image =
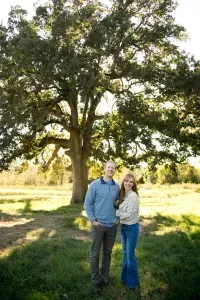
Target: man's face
{"points": [[110, 169]]}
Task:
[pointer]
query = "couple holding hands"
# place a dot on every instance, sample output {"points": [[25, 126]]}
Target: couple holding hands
{"points": [[106, 206]]}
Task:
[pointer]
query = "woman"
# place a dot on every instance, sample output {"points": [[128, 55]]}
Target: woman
{"points": [[129, 218]]}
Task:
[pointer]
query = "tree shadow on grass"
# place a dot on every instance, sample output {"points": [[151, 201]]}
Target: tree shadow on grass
{"points": [[21, 228], [153, 224], [55, 265], [170, 261], [48, 266], [49, 269], [45, 270], [27, 207]]}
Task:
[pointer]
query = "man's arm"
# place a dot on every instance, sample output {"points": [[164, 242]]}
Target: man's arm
{"points": [[89, 203]]}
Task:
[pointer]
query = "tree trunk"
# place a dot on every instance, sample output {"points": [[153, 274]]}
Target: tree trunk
{"points": [[80, 179], [79, 158]]}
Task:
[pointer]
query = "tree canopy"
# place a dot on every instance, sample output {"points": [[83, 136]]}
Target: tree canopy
{"points": [[58, 67]]}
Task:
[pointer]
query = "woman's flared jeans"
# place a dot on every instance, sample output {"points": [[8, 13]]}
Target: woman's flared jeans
{"points": [[129, 237]]}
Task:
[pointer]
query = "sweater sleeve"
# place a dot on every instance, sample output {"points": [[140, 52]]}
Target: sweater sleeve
{"points": [[89, 203], [130, 208]]}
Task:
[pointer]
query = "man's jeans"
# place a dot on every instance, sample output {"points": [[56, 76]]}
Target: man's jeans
{"points": [[106, 236], [129, 237]]}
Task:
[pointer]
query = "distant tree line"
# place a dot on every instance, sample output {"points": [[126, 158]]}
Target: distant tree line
{"points": [[59, 174], [178, 174]]}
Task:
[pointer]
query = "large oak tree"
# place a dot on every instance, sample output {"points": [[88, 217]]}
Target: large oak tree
{"points": [[56, 69]]}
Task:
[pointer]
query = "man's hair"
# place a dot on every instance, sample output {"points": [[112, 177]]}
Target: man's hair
{"points": [[110, 161]]}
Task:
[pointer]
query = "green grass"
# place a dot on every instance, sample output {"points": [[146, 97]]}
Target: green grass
{"points": [[45, 246], [173, 257]]}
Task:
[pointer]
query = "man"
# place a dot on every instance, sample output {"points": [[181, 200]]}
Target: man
{"points": [[99, 205]]}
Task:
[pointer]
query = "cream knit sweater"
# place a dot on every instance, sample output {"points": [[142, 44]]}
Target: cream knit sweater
{"points": [[129, 209]]}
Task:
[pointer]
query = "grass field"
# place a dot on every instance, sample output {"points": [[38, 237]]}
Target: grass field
{"points": [[44, 246]]}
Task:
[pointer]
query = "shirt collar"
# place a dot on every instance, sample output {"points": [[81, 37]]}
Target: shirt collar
{"points": [[104, 182]]}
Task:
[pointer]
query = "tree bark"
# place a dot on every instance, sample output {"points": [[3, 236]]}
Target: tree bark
{"points": [[79, 168], [80, 180]]}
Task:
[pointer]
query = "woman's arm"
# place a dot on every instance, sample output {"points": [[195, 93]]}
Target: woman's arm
{"points": [[128, 209]]}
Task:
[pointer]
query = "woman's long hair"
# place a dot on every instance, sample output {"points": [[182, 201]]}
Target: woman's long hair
{"points": [[122, 190]]}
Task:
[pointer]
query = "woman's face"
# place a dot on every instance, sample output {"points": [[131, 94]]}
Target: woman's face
{"points": [[128, 184]]}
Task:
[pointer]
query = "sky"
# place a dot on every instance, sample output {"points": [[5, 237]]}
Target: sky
{"points": [[186, 14]]}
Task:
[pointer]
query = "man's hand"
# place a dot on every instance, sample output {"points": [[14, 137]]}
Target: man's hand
{"points": [[117, 222], [96, 223]]}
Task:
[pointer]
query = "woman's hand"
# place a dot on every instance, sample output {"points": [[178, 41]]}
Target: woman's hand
{"points": [[116, 202]]}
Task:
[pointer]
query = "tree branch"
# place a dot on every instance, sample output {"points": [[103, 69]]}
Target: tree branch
{"points": [[54, 155], [54, 140], [58, 122]]}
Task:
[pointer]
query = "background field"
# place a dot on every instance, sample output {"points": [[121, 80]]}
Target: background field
{"points": [[44, 245]]}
